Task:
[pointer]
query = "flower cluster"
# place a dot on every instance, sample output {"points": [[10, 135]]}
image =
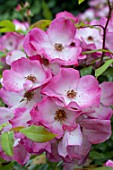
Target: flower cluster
{"points": [[43, 87], [98, 9]]}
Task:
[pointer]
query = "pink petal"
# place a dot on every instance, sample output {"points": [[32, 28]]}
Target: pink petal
{"points": [[109, 163], [21, 155], [97, 131], [102, 112], [14, 55], [5, 115], [35, 35], [9, 97], [59, 85], [62, 31], [70, 139], [107, 93], [88, 92]]}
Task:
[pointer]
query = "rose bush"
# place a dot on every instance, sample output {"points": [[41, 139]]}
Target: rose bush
{"points": [[52, 104]]}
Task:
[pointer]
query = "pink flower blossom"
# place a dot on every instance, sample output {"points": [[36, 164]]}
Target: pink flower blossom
{"points": [[25, 75], [11, 41], [14, 55], [54, 116], [56, 44], [90, 36], [107, 93], [109, 163], [69, 87], [21, 25]]}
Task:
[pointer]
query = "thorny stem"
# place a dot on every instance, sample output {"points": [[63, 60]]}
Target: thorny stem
{"points": [[104, 31]]}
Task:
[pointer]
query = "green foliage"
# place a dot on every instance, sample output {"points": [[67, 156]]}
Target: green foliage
{"points": [[42, 24], [46, 9], [37, 133], [86, 71], [46, 12], [7, 167], [2, 54], [7, 142], [103, 68], [109, 74], [103, 168], [80, 1], [3, 125], [93, 51], [7, 26], [2, 103], [31, 165]]}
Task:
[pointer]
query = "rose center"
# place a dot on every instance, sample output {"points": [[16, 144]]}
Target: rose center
{"points": [[90, 38], [58, 47], [71, 94], [28, 96], [31, 78], [10, 43], [60, 115]]}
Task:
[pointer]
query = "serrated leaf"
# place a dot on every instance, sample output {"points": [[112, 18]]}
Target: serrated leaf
{"points": [[7, 142], [80, 1], [37, 133], [103, 68], [7, 26], [42, 24]]}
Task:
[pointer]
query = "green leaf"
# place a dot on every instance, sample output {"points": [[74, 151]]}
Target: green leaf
{"points": [[1, 67], [80, 1], [103, 68], [7, 167], [7, 26], [42, 24], [7, 142], [93, 51], [86, 71], [3, 125], [37, 133], [2, 54], [103, 168], [46, 12], [109, 74]]}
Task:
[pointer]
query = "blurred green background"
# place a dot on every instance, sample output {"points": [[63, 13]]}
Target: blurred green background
{"points": [[40, 9]]}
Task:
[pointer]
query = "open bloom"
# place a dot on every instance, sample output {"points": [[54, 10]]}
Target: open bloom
{"points": [[69, 87], [56, 44], [25, 74], [11, 41], [56, 117], [90, 36]]}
